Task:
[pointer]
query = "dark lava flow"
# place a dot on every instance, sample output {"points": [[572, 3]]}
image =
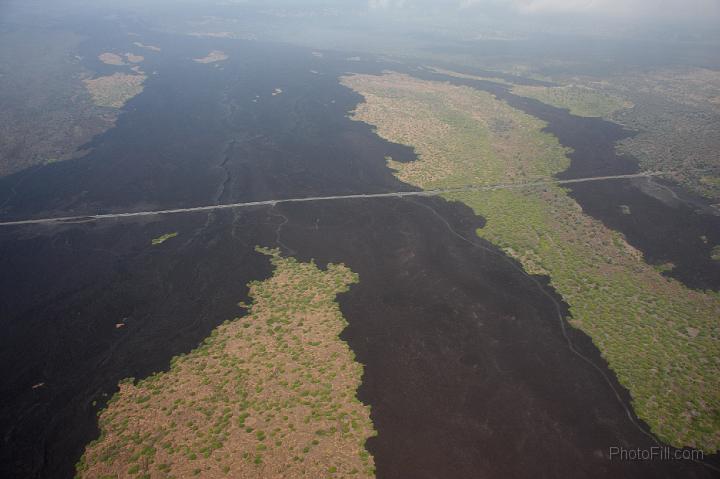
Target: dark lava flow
{"points": [[680, 232], [466, 368]]}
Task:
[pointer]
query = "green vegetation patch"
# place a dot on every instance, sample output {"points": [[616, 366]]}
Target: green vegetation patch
{"points": [[113, 91], [164, 238], [272, 394], [580, 100], [660, 338]]}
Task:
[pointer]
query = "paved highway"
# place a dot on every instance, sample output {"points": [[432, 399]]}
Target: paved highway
{"points": [[397, 194]]}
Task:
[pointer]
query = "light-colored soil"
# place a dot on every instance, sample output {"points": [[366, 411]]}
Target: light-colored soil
{"points": [[268, 395], [111, 59], [212, 57]]}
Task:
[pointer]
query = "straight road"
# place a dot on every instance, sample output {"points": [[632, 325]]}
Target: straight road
{"points": [[397, 194]]}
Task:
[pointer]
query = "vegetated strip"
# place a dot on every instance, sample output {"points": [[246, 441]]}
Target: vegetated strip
{"points": [[659, 337], [434, 192]]}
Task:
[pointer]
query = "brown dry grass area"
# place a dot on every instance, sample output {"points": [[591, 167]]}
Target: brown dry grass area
{"points": [[132, 58], [115, 90], [212, 57], [453, 130], [111, 59], [268, 395]]}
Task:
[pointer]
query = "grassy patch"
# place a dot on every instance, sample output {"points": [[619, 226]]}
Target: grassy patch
{"points": [[250, 400], [163, 238], [580, 100], [115, 90]]}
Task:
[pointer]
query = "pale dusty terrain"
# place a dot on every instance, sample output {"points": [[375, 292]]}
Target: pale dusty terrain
{"points": [[212, 57]]}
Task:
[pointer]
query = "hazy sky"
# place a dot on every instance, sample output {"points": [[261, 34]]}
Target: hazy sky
{"points": [[627, 17], [670, 11], [657, 9]]}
